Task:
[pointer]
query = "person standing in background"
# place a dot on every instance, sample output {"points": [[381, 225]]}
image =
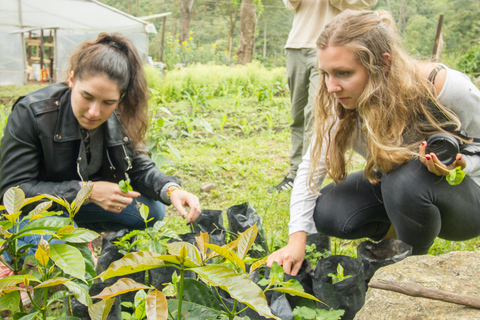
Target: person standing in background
{"points": [[311, 17]]}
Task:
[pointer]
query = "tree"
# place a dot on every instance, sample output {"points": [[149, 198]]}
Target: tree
{"points": [[248, 23], [186, 7]]}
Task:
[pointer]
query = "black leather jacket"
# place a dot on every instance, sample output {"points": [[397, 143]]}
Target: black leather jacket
{"points": [[42, 150]]}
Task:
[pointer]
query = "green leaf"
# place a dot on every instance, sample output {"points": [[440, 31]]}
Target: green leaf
{"points": [[156, 305], [29, 316], [144, 212], [32, 200], [246, 240], [100, 310], [131, 263], [304, 313], [455, 176], [329, 314], [50, 224], [13, 200], [57, 296], [90, 272], [239, 286], [122, 286], [198, 293], [192, 252], [194, 311], [10, 301], [79, 293], [69, 259], [80, 235], [125, 185], [228, 254]]}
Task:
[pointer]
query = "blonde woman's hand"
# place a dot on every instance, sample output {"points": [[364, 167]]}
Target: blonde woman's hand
{"points": [[434, 165], [109, 196], [181, 198], [291, 256]]}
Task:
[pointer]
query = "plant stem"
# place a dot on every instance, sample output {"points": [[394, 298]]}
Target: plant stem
{"points": [[180, 293]]}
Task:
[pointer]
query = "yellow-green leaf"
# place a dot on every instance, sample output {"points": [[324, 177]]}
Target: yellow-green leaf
{"points": [[296, 292], [79, 293], [13, 200], [4, 232], [12, 281], [81, 197], [257, 264], [157, 307], [455, 176], [246, 240], [228, 254], [65, 230], [131, 263], [42, 257], [32, 200], [52, 282], [201, 240], [144, 211], [12, 217], [101, 309], [191, 251], [123, 285]]}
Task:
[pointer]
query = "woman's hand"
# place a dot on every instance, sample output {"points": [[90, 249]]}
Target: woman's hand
{"points": [[180, 198], [291, 256], [109, 196], [435, 166]]}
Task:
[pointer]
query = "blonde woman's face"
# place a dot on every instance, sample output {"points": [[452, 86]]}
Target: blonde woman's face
{"points": [[93, 100], [345, 76]]}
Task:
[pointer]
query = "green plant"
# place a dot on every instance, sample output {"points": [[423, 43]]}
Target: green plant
{"points": [[69, 264], [195, 298], [307, 313], [340, 276]]}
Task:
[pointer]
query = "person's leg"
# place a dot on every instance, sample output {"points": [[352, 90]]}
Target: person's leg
{"points": [[352, 209], [423, 206], [95, 218], [309, 110], [298, 76]]}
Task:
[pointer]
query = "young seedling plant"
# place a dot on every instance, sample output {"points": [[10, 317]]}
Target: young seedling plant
{"points": [[195, 298], [68, 263]]}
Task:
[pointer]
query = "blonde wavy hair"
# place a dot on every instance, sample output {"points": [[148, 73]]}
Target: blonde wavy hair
{"points": [[391, 113]]}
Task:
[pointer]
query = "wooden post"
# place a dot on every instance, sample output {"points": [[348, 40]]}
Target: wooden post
{"points": [[437, 37], [41, 49], [163, 38]]}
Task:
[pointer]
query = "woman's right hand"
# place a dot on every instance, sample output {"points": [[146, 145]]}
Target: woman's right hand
{"points": [[109, 196], [292, 255]]}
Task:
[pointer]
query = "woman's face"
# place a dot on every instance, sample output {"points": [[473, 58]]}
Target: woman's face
{"points": [[345, 75], [93, 99]]}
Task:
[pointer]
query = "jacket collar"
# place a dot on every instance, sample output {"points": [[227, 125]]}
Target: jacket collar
{"points": [[68, 127]]}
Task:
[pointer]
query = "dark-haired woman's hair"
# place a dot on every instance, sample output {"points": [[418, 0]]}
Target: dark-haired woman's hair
{"points": [[115, 56]]}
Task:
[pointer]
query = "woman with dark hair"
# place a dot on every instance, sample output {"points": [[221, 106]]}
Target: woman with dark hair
{"points": [[90, 131], [374, 99]]}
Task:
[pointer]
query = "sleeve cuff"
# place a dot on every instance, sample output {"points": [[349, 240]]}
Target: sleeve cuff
{"points": [[163, 192]]}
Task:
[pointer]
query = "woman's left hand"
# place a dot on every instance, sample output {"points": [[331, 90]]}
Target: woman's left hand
{"points": [[435, 166], [180, 198]]}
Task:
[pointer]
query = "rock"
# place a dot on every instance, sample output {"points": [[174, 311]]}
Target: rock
{"points": [[457, 272], [207, 187]]}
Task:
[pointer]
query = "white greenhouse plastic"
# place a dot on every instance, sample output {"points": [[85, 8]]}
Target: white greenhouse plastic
{"points": [[70, 21]]}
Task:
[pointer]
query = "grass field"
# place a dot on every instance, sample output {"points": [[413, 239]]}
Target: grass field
{"points": [[228, 127]]}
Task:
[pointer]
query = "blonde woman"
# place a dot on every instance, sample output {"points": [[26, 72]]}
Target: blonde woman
{"points": [[374, 99]]}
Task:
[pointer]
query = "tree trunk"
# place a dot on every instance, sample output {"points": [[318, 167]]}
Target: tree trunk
{"points": [[186, 7], [248, 23]]}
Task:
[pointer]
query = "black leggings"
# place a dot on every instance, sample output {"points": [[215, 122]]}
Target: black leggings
{"points": [[420, 205]]}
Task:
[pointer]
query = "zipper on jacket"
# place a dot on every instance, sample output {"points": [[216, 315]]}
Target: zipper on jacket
{"points": [[127, 159], [78, 168]]}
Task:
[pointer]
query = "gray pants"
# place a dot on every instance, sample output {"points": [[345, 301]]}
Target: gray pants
{"points": [[303, 80]]}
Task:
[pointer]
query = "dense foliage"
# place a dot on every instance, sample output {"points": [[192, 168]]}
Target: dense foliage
{"points": [[417, 20]]}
